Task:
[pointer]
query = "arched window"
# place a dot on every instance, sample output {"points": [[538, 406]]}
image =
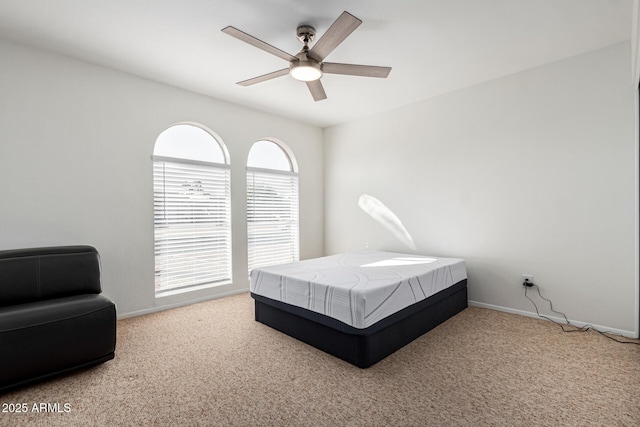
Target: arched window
{"points": [[272, 205], [192, 210]]}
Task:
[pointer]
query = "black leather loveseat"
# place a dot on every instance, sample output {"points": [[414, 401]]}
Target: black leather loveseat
{"points": [[52, 317]]}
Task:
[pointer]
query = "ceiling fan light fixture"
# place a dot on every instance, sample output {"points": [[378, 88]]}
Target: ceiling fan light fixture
{"points": [[305, 71]]}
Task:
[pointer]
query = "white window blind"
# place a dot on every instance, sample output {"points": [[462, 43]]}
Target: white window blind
{"points": [[192, 221], [272, 217]]}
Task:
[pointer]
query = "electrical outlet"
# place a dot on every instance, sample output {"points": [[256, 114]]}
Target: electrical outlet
{"points": [[527, 278]]}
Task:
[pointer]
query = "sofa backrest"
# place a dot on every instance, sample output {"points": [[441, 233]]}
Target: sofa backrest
{"points": [[37, 274]]}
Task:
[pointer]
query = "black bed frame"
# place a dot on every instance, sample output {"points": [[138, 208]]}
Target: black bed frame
{"points": [[362, 347]]}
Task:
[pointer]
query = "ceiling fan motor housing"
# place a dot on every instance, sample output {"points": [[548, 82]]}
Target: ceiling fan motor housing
{"points": [[305, 69]]}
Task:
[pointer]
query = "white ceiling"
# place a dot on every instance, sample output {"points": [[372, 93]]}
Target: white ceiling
{"points": [[434, 46]]}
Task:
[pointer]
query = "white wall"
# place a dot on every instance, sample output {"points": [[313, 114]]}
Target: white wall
{"points": [[75, 166], [530, 173]]}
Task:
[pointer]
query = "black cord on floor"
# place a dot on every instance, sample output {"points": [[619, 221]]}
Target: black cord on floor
{"points": [[585, 328]]}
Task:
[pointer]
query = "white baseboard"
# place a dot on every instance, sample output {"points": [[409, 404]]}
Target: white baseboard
{"points": [[179, 304], [629, 334]]}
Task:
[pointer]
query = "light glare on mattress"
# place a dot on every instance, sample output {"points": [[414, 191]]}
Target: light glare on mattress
{"points": [[400, 261]]}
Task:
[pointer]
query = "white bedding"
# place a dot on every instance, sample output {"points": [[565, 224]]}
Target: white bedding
{"points": [[358, 288]]}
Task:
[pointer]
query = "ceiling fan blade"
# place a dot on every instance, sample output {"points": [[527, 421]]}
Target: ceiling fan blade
{"points": [[356, 70], [337, 32], [264, 77], [241, 35], [317, 91]]}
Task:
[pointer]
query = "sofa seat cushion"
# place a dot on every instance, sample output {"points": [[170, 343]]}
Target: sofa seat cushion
{"points": [[48, 337], [50, 311]]}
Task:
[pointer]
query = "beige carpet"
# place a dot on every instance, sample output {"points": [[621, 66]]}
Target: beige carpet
{"points": [[212, 364]]}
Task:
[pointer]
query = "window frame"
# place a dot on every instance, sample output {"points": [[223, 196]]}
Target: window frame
{"points": [[213, 238], [294, 207]]}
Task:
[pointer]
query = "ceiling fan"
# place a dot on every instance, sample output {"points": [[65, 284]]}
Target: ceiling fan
{"points": [[307, 65]]}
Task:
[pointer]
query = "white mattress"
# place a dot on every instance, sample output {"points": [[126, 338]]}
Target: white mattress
{"points": [[358, 288]]}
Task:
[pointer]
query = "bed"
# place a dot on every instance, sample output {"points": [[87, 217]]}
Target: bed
{"points": [[359, 306]]}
